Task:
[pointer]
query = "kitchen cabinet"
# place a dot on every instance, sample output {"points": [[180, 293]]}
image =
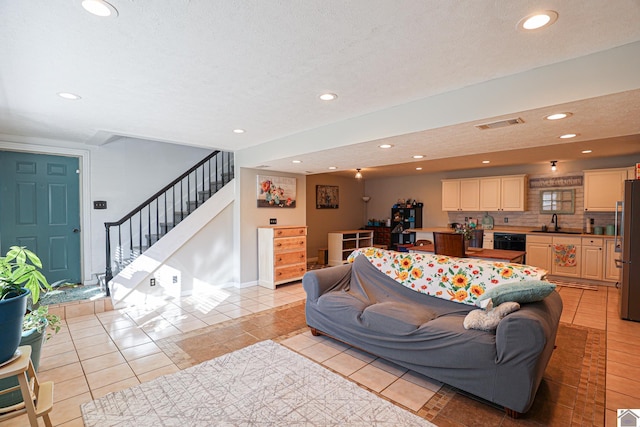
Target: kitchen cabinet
{"points": [[562, 264], [603, 188], [592, 258], [560, 256], [342, 243], [487, 240], [539, 251], [611, 272], [461, 194], [282, 254], [503, 193]]}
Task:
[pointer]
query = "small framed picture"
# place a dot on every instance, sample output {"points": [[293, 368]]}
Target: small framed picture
{"points": [[327, 197], [473, 222]]}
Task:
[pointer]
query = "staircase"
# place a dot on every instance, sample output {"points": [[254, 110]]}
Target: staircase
{"points": [[133, 234]]}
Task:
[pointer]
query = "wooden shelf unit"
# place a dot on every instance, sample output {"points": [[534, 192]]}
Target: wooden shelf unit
{"points": [[342, 243]]}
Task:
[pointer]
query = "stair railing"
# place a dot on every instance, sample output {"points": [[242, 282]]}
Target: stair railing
{"points": [[162, 211]]}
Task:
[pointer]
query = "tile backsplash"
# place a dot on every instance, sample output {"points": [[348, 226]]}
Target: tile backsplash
{"points": [[534, 219]]}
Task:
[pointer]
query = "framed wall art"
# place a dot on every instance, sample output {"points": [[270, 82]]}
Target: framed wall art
{"points": [[327, 197], [276, 192]]}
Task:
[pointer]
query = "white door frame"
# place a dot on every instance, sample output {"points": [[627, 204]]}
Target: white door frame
{"points": [[84, 157]]}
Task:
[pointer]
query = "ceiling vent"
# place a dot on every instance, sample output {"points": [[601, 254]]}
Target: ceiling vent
{"points": [[500, 124]]}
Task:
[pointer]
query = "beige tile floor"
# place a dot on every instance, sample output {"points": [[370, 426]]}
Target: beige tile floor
{"points": [[97, 354]]}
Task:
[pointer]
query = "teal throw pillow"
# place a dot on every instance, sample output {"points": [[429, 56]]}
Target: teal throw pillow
{"points": [[520, 292]]}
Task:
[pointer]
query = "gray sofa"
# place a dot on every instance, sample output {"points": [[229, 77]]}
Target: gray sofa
{"points": [[357, 304]]}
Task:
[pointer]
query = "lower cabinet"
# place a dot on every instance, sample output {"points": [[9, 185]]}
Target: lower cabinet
{"points": [[560, 256], [487, 240], [611, 271], [539, 251], [592, 258], [282, 255]]}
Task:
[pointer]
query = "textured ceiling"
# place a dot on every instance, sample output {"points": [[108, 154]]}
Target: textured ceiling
{"points": [[191, 71]]}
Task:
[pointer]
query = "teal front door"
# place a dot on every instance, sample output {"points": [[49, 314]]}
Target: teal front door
{"points": [[40, 209]]}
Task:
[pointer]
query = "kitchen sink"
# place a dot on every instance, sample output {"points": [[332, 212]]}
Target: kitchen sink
{"points": [[556, 232]]}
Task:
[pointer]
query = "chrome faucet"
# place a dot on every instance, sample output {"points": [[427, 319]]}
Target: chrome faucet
{"points": [[554, 220]]}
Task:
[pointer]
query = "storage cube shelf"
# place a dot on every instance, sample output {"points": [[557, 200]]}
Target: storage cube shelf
{"points": [[342, 243]]}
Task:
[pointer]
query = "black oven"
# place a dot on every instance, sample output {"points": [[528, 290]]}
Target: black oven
{"points": [[510, 241]]}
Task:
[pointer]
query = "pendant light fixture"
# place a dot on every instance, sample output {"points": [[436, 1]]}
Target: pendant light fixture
{"points": [[358, 174], [553, 165]]}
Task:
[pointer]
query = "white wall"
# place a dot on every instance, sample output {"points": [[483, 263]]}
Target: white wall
{"points": [[127, 172]]}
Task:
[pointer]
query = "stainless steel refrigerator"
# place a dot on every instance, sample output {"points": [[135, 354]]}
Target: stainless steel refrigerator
{"points": [[628, 240]]}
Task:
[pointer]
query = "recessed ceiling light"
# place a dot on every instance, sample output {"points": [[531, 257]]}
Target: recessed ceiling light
{"points": [[238, 131], [385, 146], [486, 161], [586, 151], [538, 20], [99, 8], [418, 169], [418, 156], [328, 96], [296, 161], [332, 168], [568, 135], [558, 116], [69, 96]]}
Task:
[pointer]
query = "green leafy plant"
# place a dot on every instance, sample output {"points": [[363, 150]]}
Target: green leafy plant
{"points": [[20, 268], [41, 319]]}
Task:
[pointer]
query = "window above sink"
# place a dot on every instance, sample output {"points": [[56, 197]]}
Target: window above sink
{"points": [[557, 201]]}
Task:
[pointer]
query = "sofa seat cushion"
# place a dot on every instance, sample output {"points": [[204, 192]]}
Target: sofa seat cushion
{"points": [[401, 318]]}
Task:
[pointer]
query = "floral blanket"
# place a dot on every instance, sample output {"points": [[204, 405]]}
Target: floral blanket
{"points": [[461, 280]]}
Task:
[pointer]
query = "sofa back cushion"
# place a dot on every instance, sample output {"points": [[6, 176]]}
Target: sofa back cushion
{"points": [[462, 280]]}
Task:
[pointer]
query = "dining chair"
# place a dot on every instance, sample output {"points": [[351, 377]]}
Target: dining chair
{"points": [[477, 237], [450, 244]]}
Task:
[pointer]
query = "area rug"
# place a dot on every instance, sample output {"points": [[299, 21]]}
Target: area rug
{"points": [[577, 285], [264, 384]]}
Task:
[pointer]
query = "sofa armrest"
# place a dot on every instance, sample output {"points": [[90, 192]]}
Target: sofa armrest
{"points": [[525, 333], [318, 282]]}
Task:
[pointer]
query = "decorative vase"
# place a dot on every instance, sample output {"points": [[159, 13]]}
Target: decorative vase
{"points": [[12, 312]]}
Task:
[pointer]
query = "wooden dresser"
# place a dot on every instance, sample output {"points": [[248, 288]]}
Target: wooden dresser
{"points": [[282, 254]]}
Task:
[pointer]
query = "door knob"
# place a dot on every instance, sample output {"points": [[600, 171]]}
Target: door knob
{"points": [[76, 230]]}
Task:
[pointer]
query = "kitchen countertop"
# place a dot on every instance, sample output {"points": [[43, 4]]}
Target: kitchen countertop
{"points": [[514, 229]]}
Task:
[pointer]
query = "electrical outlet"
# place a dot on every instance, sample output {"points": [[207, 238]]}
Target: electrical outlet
{"points": [[152, 281], [506, 220], [591, 221], [175, 279], [466, 219], [273, 221]]}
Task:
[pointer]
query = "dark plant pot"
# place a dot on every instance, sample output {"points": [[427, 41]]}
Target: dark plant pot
{"points": [[12, 312], [35, 339]]}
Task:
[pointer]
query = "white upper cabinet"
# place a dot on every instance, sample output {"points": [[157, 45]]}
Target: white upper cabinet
{"points": [[503, 193], [461, 194], [603, 188]]}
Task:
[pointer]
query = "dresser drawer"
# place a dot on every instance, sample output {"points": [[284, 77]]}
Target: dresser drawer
{"points": [[289, 272], [289, 243], [288, 258], [289, 232]]}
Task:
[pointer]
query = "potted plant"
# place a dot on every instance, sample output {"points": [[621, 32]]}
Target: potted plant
{"points": [[20, 276]]}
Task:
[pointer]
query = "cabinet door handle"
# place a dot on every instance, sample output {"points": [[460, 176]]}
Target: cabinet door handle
{"points": [[278, 244]]}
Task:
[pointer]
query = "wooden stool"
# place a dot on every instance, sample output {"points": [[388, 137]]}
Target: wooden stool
{"points": [[31, 389], [323, 258]]}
